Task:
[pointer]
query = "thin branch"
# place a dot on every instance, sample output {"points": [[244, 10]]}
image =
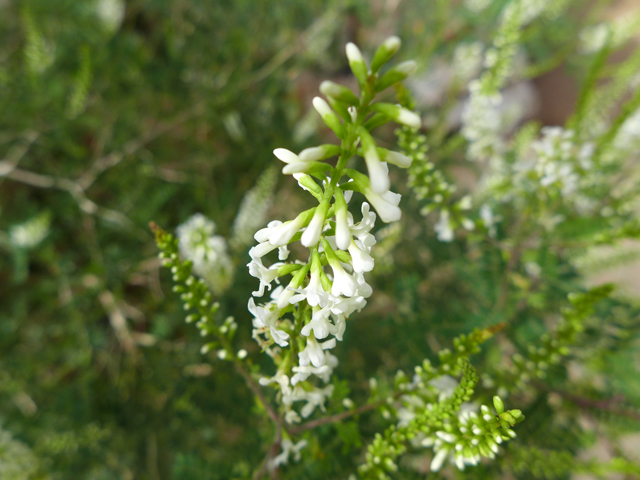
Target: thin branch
{"points": [[112, 159], [339, 416], [255, 388], [271, 453], [77, 192]]}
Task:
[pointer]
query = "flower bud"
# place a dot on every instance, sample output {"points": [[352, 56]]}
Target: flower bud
{"points": [[357, 63], [395, 75], [343, 234], [320, 152], [328, 116], [399, 114], [287, 156], [394, 158], [307, 183], [498, 405], [304, 167], [311, 235], [385, 51], [378, 173], [338, 92]]}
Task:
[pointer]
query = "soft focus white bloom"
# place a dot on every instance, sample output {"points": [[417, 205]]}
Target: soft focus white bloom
{"points": [[444, 227], [467, 61], [208, 252], [288, 448], [111, 12], [30, 233], [438, 460]]}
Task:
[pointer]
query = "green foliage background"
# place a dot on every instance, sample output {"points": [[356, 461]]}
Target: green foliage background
{"points": [[177, 110]]}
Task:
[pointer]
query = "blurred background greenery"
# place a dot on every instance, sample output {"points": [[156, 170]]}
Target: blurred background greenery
{"points": [[117, 113]]}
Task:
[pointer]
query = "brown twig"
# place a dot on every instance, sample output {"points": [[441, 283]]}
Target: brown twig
{"points": [[340, 416], [255, 388], [273, 450]]}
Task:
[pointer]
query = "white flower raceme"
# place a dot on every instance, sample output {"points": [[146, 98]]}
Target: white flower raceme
{"points": [[208, 252], [329, 285]]}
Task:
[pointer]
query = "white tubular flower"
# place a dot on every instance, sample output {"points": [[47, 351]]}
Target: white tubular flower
{"points": [[362, 261], [314, 398], [385, 204], [279, 336], [343, 283], [319, 323], [30, 233], [197, 243], [298, 167], [378, 171], [395, 158], [361, 229], [313, 352], [305, 370], [320, 152], [343, 234], [311, 235], [399, 114], [314, 292], [280, 234], [284, 297]]}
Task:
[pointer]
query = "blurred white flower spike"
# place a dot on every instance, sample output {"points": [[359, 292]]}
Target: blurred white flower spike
{"points": [[208, 252]]}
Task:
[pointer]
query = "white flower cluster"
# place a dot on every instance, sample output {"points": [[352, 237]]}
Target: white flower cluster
{"points": [[482, 124], [485, 118], [30, 233], [333, 297], [558, 167], [467, 61], [208, 252], [556, 170]]}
